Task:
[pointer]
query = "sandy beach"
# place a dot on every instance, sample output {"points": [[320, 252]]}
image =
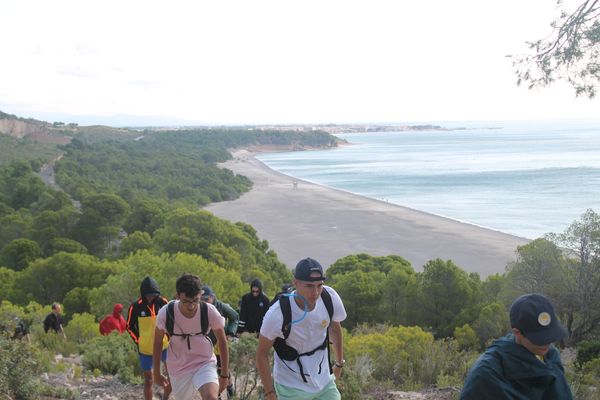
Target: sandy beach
{"points": [[301, 219]]}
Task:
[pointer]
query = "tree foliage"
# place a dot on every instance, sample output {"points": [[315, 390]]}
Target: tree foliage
{"points": [[446, 292], [571, 52], [48, 280], [582, 305]]}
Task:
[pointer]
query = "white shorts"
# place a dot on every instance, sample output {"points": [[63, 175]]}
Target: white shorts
{"points": [[185, 387]]}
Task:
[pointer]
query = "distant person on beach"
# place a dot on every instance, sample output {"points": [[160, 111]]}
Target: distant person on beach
{"points": [[523, 364], [231, 323], [113, 322], [54, 322], [253, 307], [300, 327], [141, 321], [191, 361]]}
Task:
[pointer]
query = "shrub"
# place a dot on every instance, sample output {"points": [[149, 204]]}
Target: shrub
{"points": [[82, 328], [466, 337], [408, 357], [113, 354], [587, 350], [56, 344], [18, 370], [242, 355]]}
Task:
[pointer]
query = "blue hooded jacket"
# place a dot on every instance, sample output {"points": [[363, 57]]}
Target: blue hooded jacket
{"points": [[508, 371]]}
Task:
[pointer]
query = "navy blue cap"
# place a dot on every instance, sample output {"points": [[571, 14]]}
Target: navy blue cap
{"points": [[207, 291], [306, 267], [534, 316]]}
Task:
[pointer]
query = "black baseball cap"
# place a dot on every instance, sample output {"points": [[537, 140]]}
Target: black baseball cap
{"points": [[534, 316], [306, 267]]}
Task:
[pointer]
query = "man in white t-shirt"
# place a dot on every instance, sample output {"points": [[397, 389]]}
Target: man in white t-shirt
{"points": [[191, 362], [306, 374]]}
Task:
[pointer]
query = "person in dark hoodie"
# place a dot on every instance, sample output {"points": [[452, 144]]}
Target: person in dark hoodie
{"points": [[253, 307], [523, 365], [141, 321]]}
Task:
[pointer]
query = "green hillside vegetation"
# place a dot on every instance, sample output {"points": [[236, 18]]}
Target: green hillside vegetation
{"points": [[14, 149], [139, 215]]}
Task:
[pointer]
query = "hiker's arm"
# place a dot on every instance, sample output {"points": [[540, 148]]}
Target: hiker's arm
{"points": [[224, 355], [335, 331], [132, 325], [242, 318], [264, 367], [157, 349], [232, 320], [64, 335]]}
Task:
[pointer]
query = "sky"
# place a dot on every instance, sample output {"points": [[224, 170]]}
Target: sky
{"points": [[275, 61]]}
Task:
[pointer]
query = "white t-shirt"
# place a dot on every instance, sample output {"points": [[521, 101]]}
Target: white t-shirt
{"points": [[305, 336], [180, 359]]}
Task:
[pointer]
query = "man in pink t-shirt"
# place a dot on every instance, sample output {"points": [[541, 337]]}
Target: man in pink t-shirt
{"points": [[191, 362]]}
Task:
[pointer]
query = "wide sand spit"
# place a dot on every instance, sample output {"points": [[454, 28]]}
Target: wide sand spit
{"points": [[302, 219]]}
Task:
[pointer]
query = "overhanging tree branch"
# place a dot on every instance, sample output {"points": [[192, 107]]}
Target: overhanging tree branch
{"points": [[571, 52]]}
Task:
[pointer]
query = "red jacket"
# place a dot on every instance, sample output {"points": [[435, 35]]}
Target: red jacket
{"points": [[113, 322]]}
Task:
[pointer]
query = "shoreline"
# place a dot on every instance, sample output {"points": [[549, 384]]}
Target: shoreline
{"points": [[303, 219]]}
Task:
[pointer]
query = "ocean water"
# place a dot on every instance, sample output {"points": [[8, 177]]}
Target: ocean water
{"points": [[523, 178]]}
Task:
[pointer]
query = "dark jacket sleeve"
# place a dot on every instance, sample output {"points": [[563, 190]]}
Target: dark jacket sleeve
{"points": [[483, 383], [243, 315], [47, 323], [232, 319], [132, 323]]}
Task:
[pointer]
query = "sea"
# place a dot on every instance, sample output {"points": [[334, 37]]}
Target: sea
{"points": [[525, 178]]}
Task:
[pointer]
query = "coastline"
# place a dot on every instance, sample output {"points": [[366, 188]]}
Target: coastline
{"points": [[303, 219]]}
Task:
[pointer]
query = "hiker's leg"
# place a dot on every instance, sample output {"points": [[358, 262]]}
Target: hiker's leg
{"points": [[329, 392], [207, 381], [209, 391], [146, 365], [289, 393], [148, 385]]}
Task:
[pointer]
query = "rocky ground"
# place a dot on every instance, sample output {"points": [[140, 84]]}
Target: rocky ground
{"points": [[103, 387]]}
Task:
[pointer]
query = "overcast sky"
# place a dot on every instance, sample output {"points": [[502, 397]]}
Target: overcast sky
{"points": [[253, 61]]}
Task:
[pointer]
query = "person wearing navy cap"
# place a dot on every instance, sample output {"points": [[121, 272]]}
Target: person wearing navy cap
{"points": [[523, 365], [299, 327]]}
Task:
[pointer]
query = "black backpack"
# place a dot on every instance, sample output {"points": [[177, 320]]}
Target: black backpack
{"points": [[289, 353], [204, 328]]}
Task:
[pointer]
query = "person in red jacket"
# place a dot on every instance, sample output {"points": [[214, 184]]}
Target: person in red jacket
{"points": [[113, 322]]}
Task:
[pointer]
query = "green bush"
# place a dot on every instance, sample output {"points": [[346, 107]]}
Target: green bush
{"points": [[242, 354], [113, 354], [407, 357], [19, 368], [82, 328], [56, 344], [587, 350], [466, 337]]}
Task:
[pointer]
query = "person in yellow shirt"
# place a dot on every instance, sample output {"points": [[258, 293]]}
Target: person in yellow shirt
{"points": [[141, 321]]}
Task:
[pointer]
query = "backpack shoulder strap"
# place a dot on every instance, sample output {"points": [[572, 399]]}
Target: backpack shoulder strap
{"points": [[286, 311], [328, 302], [203, 318], [170, 318]]}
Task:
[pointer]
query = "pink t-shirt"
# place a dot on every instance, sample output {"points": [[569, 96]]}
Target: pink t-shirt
{"points": [[180, 359]]}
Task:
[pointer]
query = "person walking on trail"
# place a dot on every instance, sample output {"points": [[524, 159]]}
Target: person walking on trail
{"points": [[253, 307], [286, 288], [191, 362], [113, 322], [141, 321], [300, 327], [231, 323], [54, 321], [523, 365]]}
